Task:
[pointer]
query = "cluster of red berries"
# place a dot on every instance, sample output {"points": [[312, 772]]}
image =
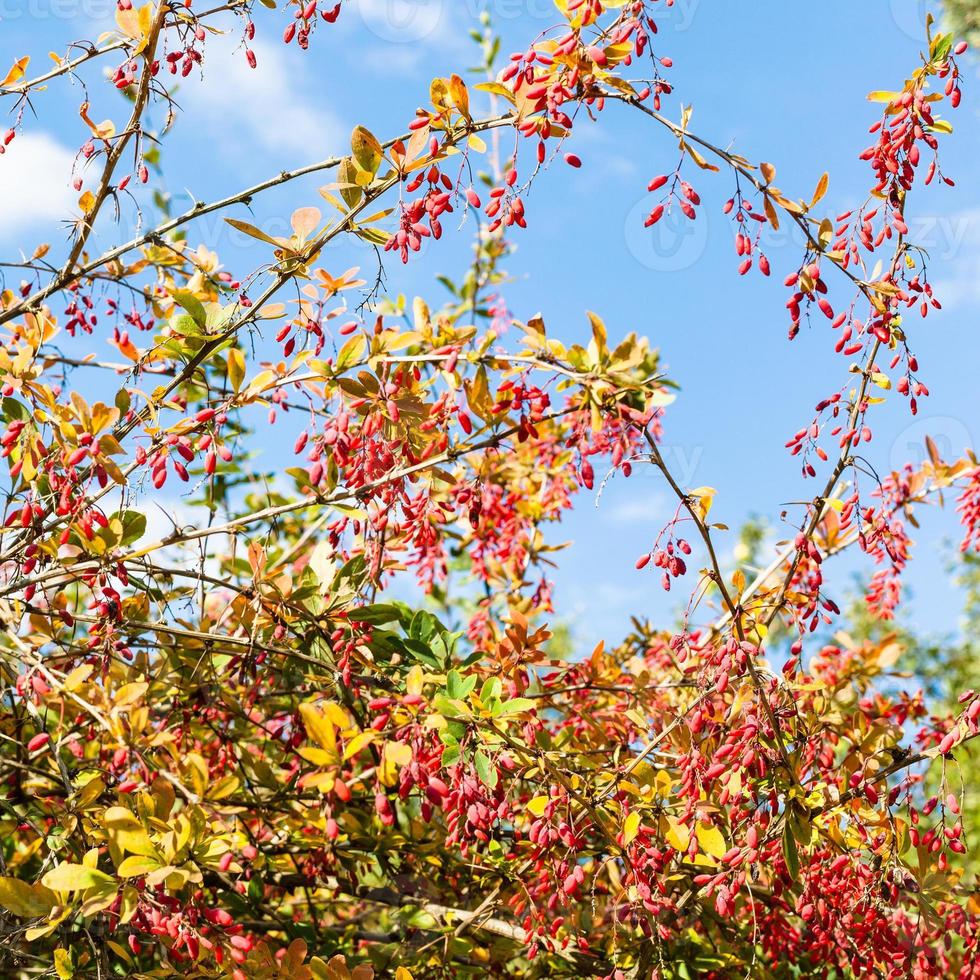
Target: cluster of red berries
{"points": [[305, 19]]}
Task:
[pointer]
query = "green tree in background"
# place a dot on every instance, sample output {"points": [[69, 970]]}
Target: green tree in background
{"points": [[963, 17], [943, 667]]}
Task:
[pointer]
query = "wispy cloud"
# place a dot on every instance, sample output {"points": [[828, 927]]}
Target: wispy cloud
{"points": [[35, 188], [262, 107], [650, 509]]}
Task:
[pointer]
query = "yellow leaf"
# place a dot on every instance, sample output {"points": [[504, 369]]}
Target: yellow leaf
{"points": [[87, 202], [252, 231], [26, 900], [771, 213], [459, 95], [130, 693], [599, 335], [402, 974], [826, 232], [126, 832], [702, 499], [357, 743], [62, 964], [104, 130], [538, 805], [399, 752], [224, 787], [337, 715], [395, 756], [698, 158], [631, 827], [75, 878], [319, 727], [77, 677], [414, 680], [323, 781], [135, 24], [319, 757], [137, 865], [822, 186], [678, 835], [236, 368], [711, 841], [367, 150], [768, 172], [16, 73]]}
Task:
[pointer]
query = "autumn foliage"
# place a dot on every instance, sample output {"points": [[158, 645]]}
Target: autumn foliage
{"points": [[229, 751]]}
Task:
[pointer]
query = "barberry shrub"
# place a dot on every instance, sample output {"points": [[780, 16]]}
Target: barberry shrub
{"points": [[229, 750]]}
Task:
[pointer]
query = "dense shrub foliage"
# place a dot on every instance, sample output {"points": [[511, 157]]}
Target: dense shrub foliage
{"points": [[230, 752]]}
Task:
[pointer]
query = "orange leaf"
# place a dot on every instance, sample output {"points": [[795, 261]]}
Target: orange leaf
{"points": [[16, 73]]}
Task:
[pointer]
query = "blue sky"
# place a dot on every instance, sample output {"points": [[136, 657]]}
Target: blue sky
{"points": [[774, 81]]}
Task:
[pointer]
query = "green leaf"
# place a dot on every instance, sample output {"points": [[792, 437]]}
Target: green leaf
{"points": [[186, 326], [458, 687], [790, 853], [351, 352], [941, 46], [514, 705], [133, 525], [14, 410], [451, 753], [376, 615], [485, 769], [491, 689], [192, 305]]}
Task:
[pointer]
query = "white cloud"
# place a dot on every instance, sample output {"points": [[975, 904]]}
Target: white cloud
{"points": [[411, 32], [648, 511], [165, 514], [35, 189], [263, 105], [409, 22]]}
